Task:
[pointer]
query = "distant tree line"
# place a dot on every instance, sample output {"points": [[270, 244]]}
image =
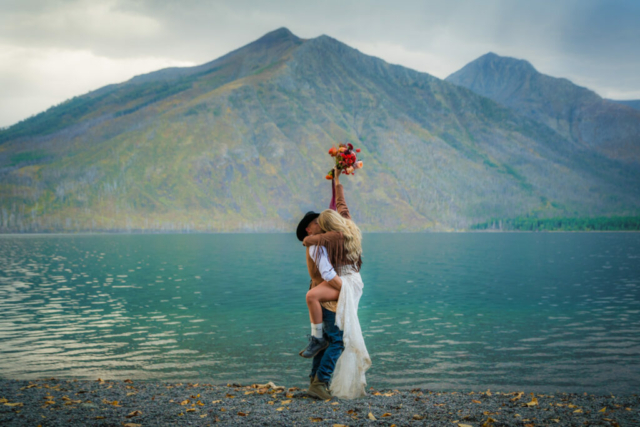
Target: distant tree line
{"points": [[614, 223]]}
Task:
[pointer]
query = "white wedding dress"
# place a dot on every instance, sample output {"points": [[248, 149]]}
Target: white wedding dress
{"points": [[348, 380]]}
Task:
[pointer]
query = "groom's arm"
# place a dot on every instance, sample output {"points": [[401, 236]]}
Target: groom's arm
{"points": [[325, 268]]}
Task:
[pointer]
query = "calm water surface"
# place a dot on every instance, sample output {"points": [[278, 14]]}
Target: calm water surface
{"points": [[466, 311]]}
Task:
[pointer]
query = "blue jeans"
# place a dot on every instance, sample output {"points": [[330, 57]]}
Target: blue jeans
{"points": [[325, 361]]}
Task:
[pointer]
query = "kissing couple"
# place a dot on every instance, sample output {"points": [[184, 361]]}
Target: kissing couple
{"points": [[334, 256]]}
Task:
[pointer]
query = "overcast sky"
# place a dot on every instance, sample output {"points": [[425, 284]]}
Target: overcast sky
{"points": [[52, 50]]}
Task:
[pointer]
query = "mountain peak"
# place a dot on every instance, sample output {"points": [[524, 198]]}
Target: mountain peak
{"points": [[278, 35], [327, 41], [501, 64], [575, 112]]}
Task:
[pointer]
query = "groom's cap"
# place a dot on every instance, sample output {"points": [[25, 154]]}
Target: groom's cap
{"points": [[301, 232]]}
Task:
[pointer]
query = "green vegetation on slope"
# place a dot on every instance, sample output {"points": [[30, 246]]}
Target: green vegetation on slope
{"points": [[616, 223]]}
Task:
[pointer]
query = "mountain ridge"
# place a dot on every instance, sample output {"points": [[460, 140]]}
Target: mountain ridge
{"points": [[633, 103], [240, 145], [577, 113]]}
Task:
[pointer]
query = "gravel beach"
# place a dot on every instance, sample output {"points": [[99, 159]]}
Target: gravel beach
{"points": [[54, 402]]}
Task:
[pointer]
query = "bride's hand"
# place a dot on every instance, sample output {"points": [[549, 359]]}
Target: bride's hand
{"points": [[336, 175]]}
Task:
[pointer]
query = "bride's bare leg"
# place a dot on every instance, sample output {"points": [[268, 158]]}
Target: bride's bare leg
{"points": [[323, 292]]}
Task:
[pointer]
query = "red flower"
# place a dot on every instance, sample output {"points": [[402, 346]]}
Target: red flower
{"points": [[357, 150]]}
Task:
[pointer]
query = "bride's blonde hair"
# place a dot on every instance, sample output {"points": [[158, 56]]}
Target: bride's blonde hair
{"points": [[330, 220]]}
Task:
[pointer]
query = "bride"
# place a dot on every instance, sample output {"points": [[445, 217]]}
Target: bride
{"points": [[342, 244]]}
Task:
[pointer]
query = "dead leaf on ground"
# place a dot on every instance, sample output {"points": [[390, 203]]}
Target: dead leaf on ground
{"points": [[488, 422], [418, 417], [371, 417], [315, 419], [133, 414], [476, 401], [386, 414], [268, 385], [518, 396], [114, 403], [242, 414]]}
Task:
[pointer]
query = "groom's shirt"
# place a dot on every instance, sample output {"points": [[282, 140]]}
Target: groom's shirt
{"points": [[316, 279], [324, 266]]}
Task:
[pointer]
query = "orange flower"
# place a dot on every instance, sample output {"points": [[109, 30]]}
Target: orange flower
{"points": [[333, 151]]}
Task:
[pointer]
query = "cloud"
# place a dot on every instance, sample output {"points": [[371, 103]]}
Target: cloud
{"points": [[591, 42], [78, 24], [48, 76]]}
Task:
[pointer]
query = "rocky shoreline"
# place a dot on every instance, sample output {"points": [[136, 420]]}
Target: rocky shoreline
{"points": [[56, 402]]}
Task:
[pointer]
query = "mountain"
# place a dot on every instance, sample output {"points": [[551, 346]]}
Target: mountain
{"points": [[633, 103], [240, 144], [577, 113]]}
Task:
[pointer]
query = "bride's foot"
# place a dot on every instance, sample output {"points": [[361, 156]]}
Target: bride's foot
{"points": [[315, 346]]}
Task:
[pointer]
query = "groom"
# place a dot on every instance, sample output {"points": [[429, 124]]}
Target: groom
{"points": [[325, 361]]}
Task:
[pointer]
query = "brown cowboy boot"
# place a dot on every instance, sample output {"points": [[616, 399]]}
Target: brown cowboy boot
{"points": [[319, 390]]}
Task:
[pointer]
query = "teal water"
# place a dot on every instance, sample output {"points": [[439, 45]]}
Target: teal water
{"points": [[464, 311]]}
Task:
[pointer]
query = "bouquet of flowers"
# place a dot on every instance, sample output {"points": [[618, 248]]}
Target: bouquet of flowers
{"points": [[346, 160]]}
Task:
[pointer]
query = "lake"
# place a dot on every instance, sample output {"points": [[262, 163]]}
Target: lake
{"points": [[444, 311]]}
